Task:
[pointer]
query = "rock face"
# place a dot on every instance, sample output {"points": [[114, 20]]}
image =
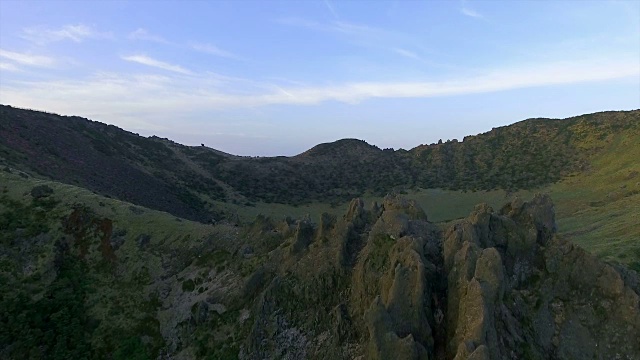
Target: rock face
{"points": [[398, 316], [380, 282], [515, 290], [496, 285]]}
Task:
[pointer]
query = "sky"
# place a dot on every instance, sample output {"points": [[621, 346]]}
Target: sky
{"points": [[267, 78]]}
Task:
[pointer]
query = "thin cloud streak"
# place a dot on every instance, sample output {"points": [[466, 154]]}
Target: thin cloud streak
{"points": [[360, 35], [472, 13], [214, 50], [406, 53], [145, 60], [8, 67], [76, 33], [332, 10], [336, 26], [413, 56], [143, 34], [27, 59], [467, 11], [501, 80], [148, 96]]}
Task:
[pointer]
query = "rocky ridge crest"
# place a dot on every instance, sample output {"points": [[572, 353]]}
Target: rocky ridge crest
{"points": [[495, 285]]}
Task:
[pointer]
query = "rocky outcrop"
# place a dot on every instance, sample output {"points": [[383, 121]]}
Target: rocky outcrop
{"points": [[393, 283], [303, 236], [496, 285], [380, 282], [516, 290]]}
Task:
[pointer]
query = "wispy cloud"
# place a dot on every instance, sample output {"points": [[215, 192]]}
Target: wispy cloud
{"points": [[145, 35], [423, 59], [26, 59], [170, 103], [470, 12], [214, 50], [466, 10], [76, 33], [165, 94], [357, 34], [331, 9], [336, 26], [361, 35], [361, 30], [406, 53], [8, 67], [492, 81], [145, 60]]}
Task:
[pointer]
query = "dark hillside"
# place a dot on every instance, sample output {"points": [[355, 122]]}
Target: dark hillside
{"points": [[186, 181], [105, 159], [527, 155], [330, 172], [352, 148]]}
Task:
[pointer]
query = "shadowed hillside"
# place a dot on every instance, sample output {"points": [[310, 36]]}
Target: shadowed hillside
{"points": [[188, 181], [148, 171]]}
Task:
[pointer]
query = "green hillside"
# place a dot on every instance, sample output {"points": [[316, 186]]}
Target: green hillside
{"points": [[100, 256], [88, 277], [190, 181], [78, 270], [600, 208]]}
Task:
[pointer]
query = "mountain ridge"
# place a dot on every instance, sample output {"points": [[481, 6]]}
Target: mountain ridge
{"points": [[84, 275], [189, 180], [341, 140]]}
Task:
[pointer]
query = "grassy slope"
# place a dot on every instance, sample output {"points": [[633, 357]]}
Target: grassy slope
{"points": [[604, 220], [185, 181], [173, 244], [440, 205], [598, 209], [137, 219]]}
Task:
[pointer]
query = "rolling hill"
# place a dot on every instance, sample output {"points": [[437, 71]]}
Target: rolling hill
{"points": [[187, 181], [108, 248]]}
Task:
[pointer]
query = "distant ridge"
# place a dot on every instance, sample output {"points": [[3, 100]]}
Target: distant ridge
{"points": [[187, 180], [348, 147]]}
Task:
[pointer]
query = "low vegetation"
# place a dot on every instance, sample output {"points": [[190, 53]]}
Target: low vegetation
{"points": [[100, 256]]}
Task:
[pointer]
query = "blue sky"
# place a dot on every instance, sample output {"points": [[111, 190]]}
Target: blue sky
{"points": [[277, 77]]}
